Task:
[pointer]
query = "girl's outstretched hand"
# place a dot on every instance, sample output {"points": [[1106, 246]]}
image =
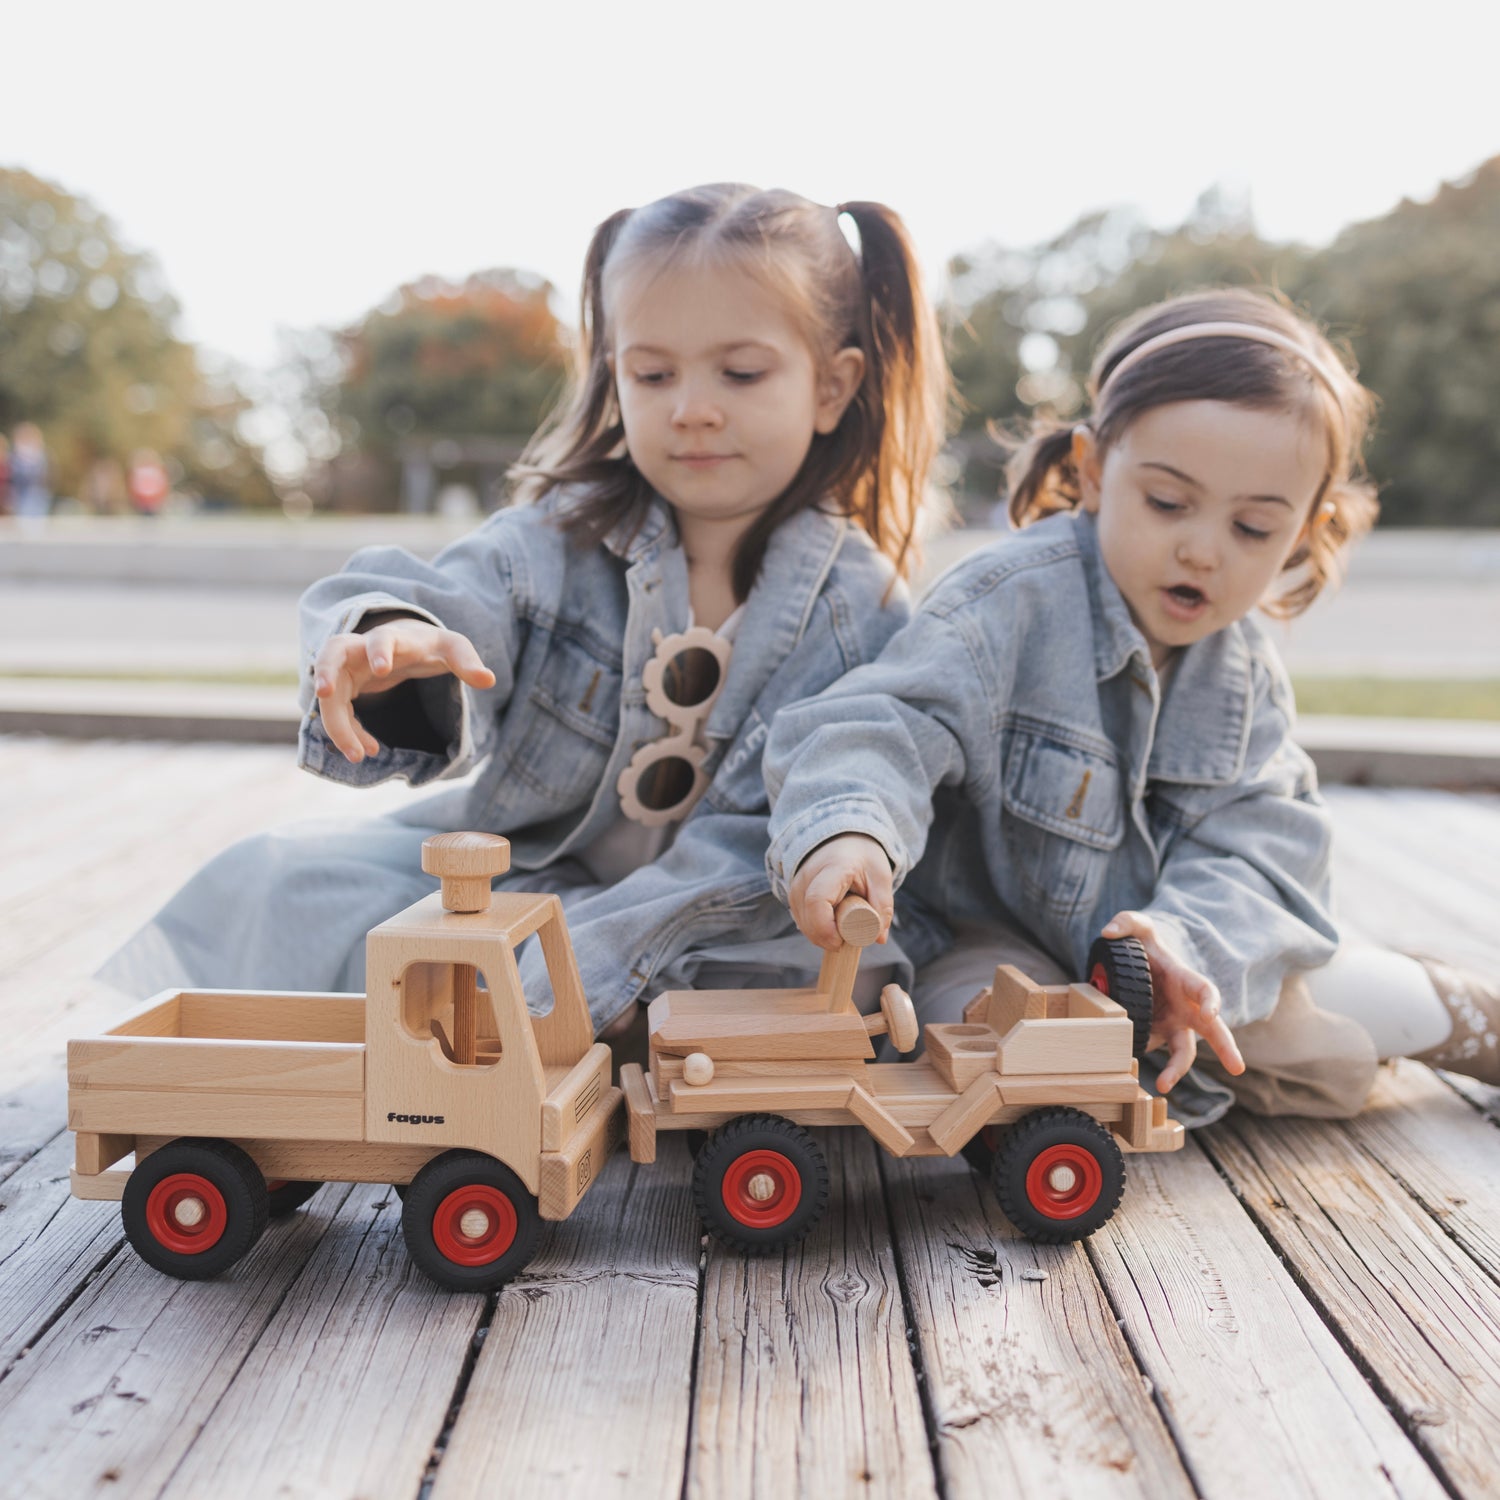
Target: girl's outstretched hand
{"points": [[851, 862], [393, 652], [1185, 1003]]}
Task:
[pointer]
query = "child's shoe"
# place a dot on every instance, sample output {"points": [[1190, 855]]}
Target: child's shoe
{"points": [[1473, 1046]]}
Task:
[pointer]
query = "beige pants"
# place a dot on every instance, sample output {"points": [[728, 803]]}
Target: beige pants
{"points": [[1299, 1061]]}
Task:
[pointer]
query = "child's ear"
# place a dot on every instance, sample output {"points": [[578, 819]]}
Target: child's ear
{"points": [[1087, 465], [837, 383]]}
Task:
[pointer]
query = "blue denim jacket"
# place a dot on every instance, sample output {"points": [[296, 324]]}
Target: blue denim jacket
{"points": [[567, 629], [1014, 753]]}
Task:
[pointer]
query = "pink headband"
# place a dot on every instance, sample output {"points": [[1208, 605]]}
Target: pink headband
{"points": [[1251, 331]]}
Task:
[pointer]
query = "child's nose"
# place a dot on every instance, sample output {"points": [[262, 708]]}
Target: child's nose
{"points": [[696, 408], [1198, 548]]}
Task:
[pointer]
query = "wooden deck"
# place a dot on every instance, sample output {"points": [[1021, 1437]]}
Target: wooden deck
{"points": [[1280, 1309]]}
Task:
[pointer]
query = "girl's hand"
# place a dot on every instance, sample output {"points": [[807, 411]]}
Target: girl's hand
{"points": [[393, 652], [852, 862], [1185, 1003]]}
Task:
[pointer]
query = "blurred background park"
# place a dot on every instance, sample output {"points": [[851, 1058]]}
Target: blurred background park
{"points": [[268, 294]]}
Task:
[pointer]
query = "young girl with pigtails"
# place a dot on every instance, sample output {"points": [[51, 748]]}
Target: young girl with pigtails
{"points": [[1083, 732], [717, 522]]}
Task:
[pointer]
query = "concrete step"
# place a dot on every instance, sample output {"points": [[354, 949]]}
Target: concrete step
{"points": [[1363, 752]]}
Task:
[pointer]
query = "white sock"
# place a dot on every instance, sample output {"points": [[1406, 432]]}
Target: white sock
{"points": [[1388, 994]]}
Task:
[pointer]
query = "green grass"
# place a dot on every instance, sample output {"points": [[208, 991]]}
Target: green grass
{"points": [[1374, 697], [1399, 697]]}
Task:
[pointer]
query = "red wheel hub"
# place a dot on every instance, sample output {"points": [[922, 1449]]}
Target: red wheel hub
{"points": [[1100, 979], [1064, 1181], [474, 1225], [186, 1214], [762, 1189]]}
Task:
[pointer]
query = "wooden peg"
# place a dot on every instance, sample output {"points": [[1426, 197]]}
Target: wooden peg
{"points": [[466, 863]]}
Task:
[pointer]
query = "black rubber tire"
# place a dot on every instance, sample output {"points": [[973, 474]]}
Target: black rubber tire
{"points": [[979, 1149], [1025, 1141], [289, 1197], [399, 1189], [695, 1141], [728, 1145], [1126, 972], [234, 1176], [425, 1194]]}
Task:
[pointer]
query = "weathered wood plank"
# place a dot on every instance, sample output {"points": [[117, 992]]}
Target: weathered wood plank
{"points": [[29, 1118], [348, 1386], [1420, 1317], [111, 1397], [1249, 1378], [582, 1387], [1031, 1387], [50, 1244], [805, 1385]]}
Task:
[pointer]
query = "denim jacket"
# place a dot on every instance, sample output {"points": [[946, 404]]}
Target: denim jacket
{"points": [[1014, 753], [567, 628]]}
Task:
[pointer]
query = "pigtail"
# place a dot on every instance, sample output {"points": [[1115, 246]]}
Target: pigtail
{"points": [[904, 401], [1040, 474], [582, 441]]}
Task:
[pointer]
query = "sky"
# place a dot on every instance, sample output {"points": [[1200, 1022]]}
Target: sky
{"points": [[290, 164]]}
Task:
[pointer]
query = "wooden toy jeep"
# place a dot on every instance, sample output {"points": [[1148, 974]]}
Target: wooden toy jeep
{"points": [[238, 1105], [1038, 1085]]}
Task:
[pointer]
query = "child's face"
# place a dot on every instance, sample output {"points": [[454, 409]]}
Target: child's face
{"points": [[1200, 503], [719, 393]]}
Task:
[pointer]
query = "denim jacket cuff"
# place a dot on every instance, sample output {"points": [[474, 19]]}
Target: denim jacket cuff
{"points": [[318, 754], [830, 820]]}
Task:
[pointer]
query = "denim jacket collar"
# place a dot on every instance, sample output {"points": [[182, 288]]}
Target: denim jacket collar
{"points": [[1203, 727], [798, 556]]}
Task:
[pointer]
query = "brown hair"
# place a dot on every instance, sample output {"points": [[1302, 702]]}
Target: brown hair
{"points": [[873, 467], [1246, 372]]}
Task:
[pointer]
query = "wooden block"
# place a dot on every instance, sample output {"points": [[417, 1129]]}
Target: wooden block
{"points": [[271, 1016], [92, 1152], [161, 1064], [963, 1119], [217, 1112], [880, 1122], [744, 1095], [1013, 997], [641, 1109], [1069, 1088], [764, 1038], [569, 1101], [159, 1016], [1080, 1046], [961, 1052], [567, 1174], [102, 1187]]}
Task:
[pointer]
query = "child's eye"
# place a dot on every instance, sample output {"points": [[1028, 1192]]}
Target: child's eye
{"points": [[1166, 507], [1251, 531], [744, 377], [650, 377]]}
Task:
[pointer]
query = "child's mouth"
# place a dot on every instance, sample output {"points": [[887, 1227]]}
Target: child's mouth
{"points": [[1184, 602]]}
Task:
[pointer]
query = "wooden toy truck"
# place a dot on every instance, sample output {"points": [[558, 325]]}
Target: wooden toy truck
{"points": [[238, 1105], [1038, 1084]]}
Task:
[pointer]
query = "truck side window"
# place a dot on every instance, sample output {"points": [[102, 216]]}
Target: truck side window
{"points": [[451, 1004]]}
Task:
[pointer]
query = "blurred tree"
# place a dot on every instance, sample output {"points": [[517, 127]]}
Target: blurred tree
{"points": [[483, 359], [1417, 295], [88, 351]]}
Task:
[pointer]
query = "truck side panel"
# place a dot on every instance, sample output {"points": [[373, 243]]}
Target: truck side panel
{"points": [[216, 1112]]}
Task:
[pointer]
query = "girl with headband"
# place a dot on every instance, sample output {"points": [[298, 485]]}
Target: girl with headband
{"points": [[716, 522], [1083, 732]]}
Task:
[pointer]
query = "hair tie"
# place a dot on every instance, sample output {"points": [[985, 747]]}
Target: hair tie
{"points": [[1252, 331]]}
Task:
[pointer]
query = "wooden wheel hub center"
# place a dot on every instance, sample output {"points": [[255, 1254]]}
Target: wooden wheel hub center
{"points": [[474, 1224], [761, 1186], [1061, 1179], [189, 1212]]}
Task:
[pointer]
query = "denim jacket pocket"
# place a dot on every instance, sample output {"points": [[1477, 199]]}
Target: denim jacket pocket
{"points": [[572, 718], [1065, 816]]}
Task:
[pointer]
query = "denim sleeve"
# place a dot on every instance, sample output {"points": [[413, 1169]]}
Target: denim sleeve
{"points": [[1245, 889], [436, 727], [866, 755]]}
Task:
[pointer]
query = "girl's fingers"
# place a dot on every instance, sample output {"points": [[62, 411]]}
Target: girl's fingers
{"points": [[1184, 1048], [1221, 1039], [464, 661], [824, 892]]}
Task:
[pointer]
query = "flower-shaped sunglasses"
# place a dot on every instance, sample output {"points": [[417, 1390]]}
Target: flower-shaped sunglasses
{"points": [[665, 777]]}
